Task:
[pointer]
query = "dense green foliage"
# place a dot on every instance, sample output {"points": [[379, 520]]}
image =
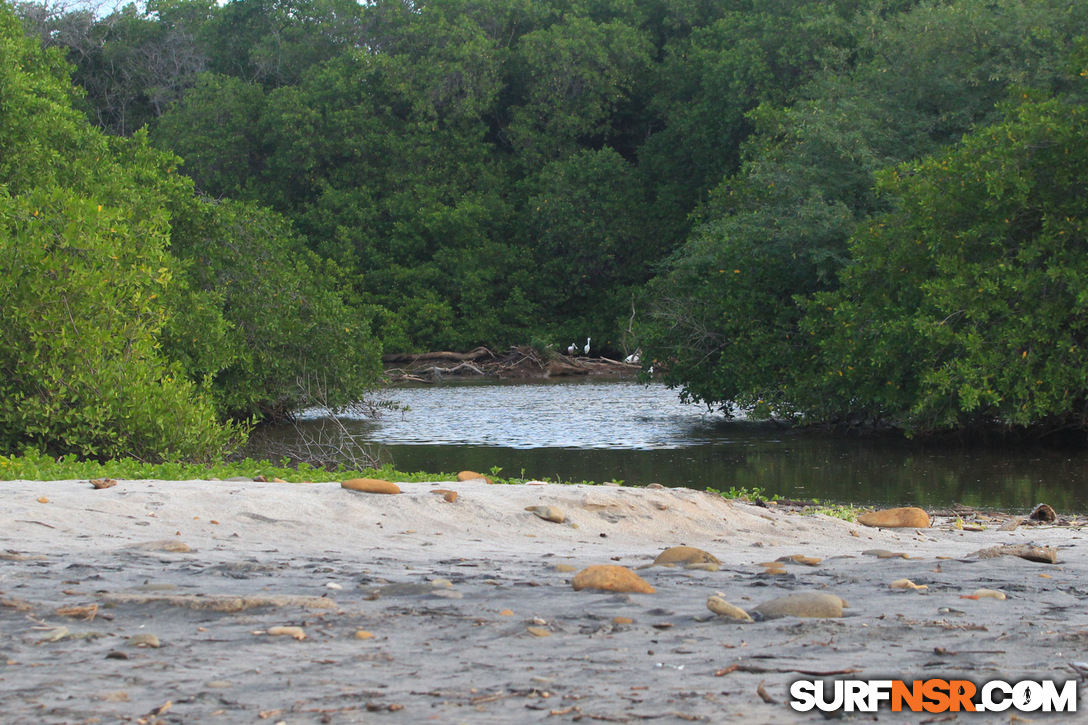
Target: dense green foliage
{"points": [[965, 304], [757, 194], [108, 265], [740, 314], [484, 173]]}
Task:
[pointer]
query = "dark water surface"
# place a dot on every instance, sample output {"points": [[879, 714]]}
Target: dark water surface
{"points": [[605, 430]]}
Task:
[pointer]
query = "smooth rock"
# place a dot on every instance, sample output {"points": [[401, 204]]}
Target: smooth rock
{"points": [[172, 545], [907, 584], [472, 476], [803, 604], [908, 517], [988, 594], [684, 555], [296, 632], [724, 609], [370, 485], [538, 631], [885, 554], [704, 566], [800, 559], [363, 634], [100, 483], [548, 513], [622, 620], [1044, 513], [450, 496], [610, 577], [144, 640], [1041, 554]]}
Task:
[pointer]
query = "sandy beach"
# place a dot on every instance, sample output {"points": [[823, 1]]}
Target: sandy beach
{"points": [[237, 601]]}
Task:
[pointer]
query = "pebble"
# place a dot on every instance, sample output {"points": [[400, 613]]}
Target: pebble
{"points": [[885, 554], [565, 567], [610, 577], [100, 483], [363, 634], [907, 517], [144, 640], [724, 609], [334, 585], [622, 620], [43, 499], [506, 613], [988, 594], [803, 604], [450, 496], [370, 485], [684, 555], [548, 513], [538, 631]]}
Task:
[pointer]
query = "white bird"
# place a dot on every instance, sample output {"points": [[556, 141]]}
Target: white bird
{"points": [[586, 348], [572, 349], [632, 359]]}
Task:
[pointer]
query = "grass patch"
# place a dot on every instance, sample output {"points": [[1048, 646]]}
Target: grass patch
{"points": [[35, 466]]}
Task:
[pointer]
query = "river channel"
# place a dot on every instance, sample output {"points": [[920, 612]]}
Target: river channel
{"points": [[622, 430]]}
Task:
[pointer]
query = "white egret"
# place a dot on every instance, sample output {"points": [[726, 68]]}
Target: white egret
{"points": [[587, 345]]}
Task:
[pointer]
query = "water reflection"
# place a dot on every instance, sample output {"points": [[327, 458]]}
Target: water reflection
{"points": [[621, 430]]}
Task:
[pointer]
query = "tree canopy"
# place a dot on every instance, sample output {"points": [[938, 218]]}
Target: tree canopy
{"points": [[120, 332], [757, 195]]}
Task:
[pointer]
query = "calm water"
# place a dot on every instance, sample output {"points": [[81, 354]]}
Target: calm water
{"points": [[601, 430]]}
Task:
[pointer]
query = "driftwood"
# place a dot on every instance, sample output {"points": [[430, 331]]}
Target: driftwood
{"points": [[518, 362]]}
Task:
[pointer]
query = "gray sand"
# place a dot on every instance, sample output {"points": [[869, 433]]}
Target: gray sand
{"points": [[474, 619]]}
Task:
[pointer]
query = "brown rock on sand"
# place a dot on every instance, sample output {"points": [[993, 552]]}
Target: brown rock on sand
{"points": [[684, 555], [611, 578], [722, 608], [908, 517], [370, 485], [548, 513], [818, 605], [472, 476]]}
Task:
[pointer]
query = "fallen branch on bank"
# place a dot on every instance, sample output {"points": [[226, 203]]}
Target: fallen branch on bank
{"points": [[518, 362]]}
